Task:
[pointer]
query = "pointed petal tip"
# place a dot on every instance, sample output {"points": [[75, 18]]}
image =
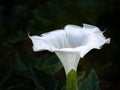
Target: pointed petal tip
{"points": [[108, 40], [89, 26], [29, 34]]}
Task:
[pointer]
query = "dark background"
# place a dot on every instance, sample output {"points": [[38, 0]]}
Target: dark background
{"points": [[21, 68]]}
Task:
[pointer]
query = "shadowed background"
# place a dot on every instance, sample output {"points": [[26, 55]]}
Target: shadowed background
{"points": [[21, 68]]}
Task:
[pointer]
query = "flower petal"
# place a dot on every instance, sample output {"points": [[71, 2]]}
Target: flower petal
{"points": [[49, 41], [91, 28], [69, 60], [92, 38], [57, 38], [75, 35], [40, 44]]}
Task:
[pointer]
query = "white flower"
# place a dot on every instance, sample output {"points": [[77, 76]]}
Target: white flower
{"points": [[71, 43]]}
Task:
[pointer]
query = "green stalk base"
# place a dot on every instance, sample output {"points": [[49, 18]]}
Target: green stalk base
{"points": [[71, 83]]}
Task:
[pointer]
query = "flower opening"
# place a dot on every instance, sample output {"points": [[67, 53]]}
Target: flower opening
{"points": [[71, 43]]}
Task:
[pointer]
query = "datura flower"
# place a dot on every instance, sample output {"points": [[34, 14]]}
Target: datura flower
{"points": [[71, 43]]}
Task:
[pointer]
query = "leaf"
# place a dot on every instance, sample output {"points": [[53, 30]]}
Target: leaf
{"points": [[80, 75], [61, 83], [56, 67], [34, 76], [51, 65], [91, 82], [24, 62], [16, 81], [42, 80]]}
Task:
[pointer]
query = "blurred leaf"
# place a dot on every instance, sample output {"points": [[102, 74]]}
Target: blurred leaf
{"points": [[80, 75], [34, 76], [42, 73], [51, 65], [15, 82], [56, 67], [91, 82], [61, 83], [23, 62], [42, 80]]}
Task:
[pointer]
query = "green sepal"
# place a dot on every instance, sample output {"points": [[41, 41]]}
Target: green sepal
{"points": [[71, 83]]}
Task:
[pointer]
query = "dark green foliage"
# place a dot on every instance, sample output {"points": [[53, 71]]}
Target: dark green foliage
{"points": [[50, 65], [80, 75], [90, 83]]}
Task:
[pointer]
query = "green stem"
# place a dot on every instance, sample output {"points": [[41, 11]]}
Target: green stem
{"points": [[71, 83]]}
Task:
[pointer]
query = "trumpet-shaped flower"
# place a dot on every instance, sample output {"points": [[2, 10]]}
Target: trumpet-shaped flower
{"points": [[71, 43]]}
